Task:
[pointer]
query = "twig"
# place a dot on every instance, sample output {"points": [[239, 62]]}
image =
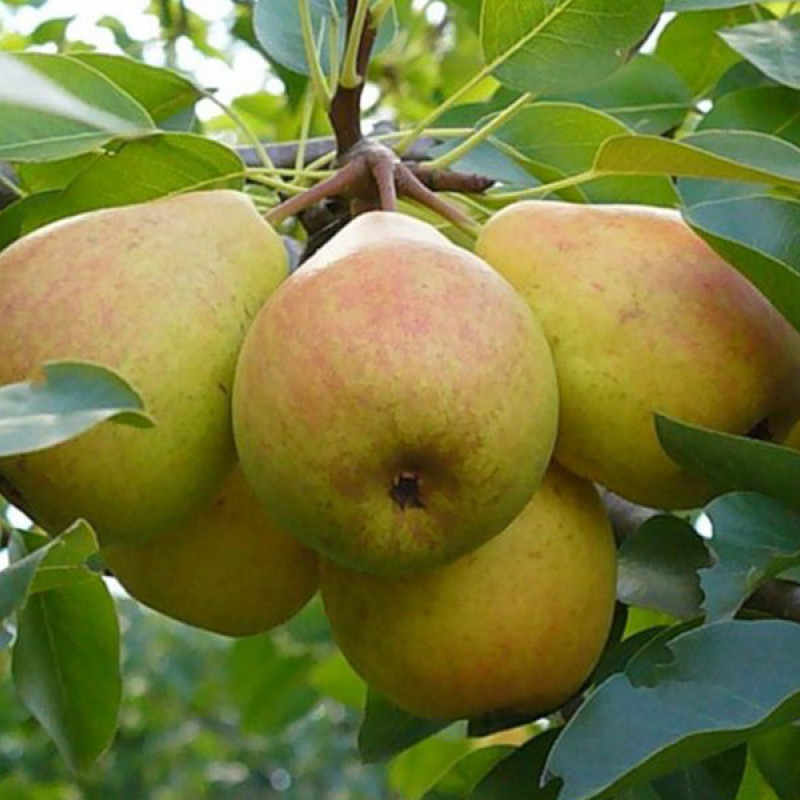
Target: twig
{"points": [[776, 597]]}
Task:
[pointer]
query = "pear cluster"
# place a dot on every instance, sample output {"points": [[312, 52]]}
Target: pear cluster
{"points": [[410, 427]]}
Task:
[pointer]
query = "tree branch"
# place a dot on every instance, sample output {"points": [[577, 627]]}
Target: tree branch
{"points": [[776, 597]]}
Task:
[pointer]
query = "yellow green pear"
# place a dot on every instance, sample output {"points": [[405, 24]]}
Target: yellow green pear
{"points": [[227, 569], [643, 317], [517, 625], [395, 402], [163, 292]]}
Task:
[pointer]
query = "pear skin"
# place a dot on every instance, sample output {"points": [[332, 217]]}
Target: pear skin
{"points": [[162, 292], [395, 402], [228, 569], [517, 625], [644, 317]]}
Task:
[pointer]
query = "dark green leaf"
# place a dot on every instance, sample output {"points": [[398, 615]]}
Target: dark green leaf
{"points": [[772, 45], [703, 5], [277, 27], [658, 567], [562, 45], [66, 668], [73, 398], [518, 777], [567, 138], [690, 44], [712, 688], [646, 95], [733, 463], [751, 233], [387, 730], [777, 755], [755, 538], [768, 109]]}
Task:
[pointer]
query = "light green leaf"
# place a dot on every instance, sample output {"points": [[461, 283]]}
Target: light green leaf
{"points": [[58, 562], [74, 397], [561, 45], [704, 5], [725, 155], [66, 668], [773, 46], [141, 170], [162, 92], [52, 106]]}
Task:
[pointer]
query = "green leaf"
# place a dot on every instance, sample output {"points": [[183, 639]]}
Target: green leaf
{"points": [[161, 92], [751, 234], [518, 777], [567, 138], [59, 562], [704, 5], [268, 685], [277, 27], [716, 778], [334, 677], [561, 45], [768, 109], [733, 463], [772, 45], [725, 155], [387, 730], [463, 777], [74, 397], [690, 44], [141, 170], [646, 95], [416, 770], [711, 689], [755, 538], [777, 755], [658, 567], [66, 668], [53, 106]]}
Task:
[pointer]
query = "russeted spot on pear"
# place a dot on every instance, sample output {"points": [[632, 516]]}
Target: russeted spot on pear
{"points": [[163, 292], [227, 569], [644, 317], [517, 625], [395, 402]]}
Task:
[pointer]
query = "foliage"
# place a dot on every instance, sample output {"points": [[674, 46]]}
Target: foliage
{"points": [[575, 99]]}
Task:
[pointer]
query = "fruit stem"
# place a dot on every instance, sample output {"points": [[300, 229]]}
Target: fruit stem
{"points": [[318, 80], [482, 134], [351, 76]]}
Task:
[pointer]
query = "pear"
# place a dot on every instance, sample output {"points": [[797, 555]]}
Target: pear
{"points": [[644, 317], [163, 292], [395, 402], [517, 625], [228, 569]]}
